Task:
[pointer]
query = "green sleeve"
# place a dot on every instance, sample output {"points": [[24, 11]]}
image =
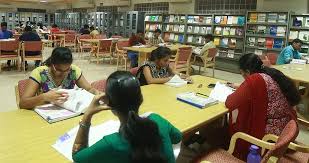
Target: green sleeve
{"points": [[174, 134], [95, 153]]}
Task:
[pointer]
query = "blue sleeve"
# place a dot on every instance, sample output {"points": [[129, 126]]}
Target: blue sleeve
{"points": [[297, 55], [287, 55]]}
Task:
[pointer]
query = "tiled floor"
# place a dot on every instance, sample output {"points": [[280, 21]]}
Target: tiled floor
{"points": [[92, 72]]}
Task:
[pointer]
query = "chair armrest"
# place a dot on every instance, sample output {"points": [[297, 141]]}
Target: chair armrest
{"points": [[250, 139], [292, 145], [303, 122]]}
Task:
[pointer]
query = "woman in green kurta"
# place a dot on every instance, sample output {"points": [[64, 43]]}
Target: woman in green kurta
{"points": [[139, 140]]}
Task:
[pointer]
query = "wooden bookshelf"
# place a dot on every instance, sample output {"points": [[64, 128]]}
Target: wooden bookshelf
{"points": [[266, 32], [152, 22], [299, 28], [229, 33], [174, 28]]}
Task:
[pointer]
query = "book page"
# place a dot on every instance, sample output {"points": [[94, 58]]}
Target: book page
{"points": [[78, 100], [220, 92], [176, 81]]}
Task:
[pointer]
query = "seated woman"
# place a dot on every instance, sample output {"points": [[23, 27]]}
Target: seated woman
{"points": [[58, 72], [139, 140], [262, 104], [157, 70]]}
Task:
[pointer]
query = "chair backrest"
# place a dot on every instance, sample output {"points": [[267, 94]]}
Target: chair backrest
{"points": [[71, 32], [121, 44], [100, 36], [20, 89], [183, 55], [265, 60], [105, 45], [99, 85], [69, 37], [116, 36], [288, 134], [134, 70], [9, 45], [32, 45], [84, 37], [272, 58]]}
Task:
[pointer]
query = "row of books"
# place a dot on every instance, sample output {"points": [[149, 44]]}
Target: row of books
{"points": [[196, 39], [198, 29], [174, 37], [302, 35], [301, 21], [153, 18], [174, 28], [152, 27], [175, 19], [230, 20], [229, 42], [268, 43], [228, 53], [267, 30], [200, 19], [229, 31], [269, 18]]}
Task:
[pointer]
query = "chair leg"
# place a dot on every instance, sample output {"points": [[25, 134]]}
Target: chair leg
{"points": [[213, 71], [125, 65], [199, 69]]}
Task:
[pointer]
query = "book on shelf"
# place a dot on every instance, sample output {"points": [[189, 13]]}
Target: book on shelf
{"points": [[278, 43], [273, 30], [176, 28], [251, 41], [282, 18], [304, 36], [224, 42], [166, 19], [182, 19], [190, 29], [253, 17], [281, 31], [230, 19], [230, 53], [172, 35], [181, 38], [147, 27], [217, 41], [258, 52], [190, 39], [203, 30], [176, 37], [196, 29], [241, 20], [223, 20], [181, 28], [196, 19], [190, 19], [252, 29], [261, 18], [171, 18], [233, 31], [307, 22], [261, 42], [160, 19], [293, 35], [269, 43], [200, 39], [232, 43], [218, 30], [218, 19], [235, 20], [207, 20], [239, 31], [171, 28], [298, 21], [226, 31], [176, 18], [167, 27], [261, 29], [208, 30], [272, 18], [147, 18]]}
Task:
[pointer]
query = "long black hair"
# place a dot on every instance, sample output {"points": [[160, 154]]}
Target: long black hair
{"points": [[160, 53], [60, 55], [252, 63], [124, 96]]}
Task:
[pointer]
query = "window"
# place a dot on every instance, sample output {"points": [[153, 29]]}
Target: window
{"points": [[152, 7], [224, 6]]}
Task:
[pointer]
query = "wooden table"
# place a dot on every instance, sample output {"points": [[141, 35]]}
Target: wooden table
{"points": [[96, 41], [145, 51], [26, 137], [299, 73]]}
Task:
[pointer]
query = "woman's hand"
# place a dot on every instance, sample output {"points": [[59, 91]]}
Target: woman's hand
{"points": [[96, 106], [56, 97], [232, 85]]}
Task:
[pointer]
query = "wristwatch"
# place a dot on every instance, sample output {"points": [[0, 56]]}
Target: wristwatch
{"points": [[84, 125]]}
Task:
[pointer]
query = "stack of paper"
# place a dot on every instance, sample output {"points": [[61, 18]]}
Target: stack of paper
{"points": [[197, 101], [176, 81], [220, 92]]}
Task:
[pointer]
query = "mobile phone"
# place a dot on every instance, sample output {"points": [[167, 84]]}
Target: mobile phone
{"points": [[211, 85]]}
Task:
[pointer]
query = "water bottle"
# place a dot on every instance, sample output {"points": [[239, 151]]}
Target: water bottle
{"points": [[254, 156]]}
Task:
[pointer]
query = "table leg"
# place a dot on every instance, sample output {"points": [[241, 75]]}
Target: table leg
{"points": [[142, 57]]}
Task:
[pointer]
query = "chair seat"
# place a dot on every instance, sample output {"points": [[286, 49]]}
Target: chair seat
{"points": [[294, 157], [86, 47], [220, 155], [33, 57], [179, 65]]}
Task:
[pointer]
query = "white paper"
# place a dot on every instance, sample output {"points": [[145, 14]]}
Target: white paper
{"points": [[220, 92], [176, 81], [298, 61]]}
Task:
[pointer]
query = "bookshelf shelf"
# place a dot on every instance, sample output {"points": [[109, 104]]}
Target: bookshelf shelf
{"points": [[197, 24], [202, 34], [299, 28], [228, 25], [173, 32], [265, 36], [224, 47], [152, 21], [267, 23], [264, 48], [228, 36], [178, 23], [227, 58]]}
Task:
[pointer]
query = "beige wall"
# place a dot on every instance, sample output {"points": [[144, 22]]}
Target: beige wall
{"points": [[297, 6]]}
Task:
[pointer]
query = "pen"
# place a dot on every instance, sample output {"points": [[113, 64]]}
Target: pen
{"points": [[202, 94]]}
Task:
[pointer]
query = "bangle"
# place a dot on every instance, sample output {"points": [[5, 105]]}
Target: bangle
{"points": [[84, 125]]}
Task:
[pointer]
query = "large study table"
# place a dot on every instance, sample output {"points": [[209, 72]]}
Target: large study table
{"points": [[145, 51], [297, 72], [26, 137]]}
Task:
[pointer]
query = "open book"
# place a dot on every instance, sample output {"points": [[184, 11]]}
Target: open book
{"points": [[176, 81], [77, 103], [298, 61], [220, 92], [195, 100], [65, 142]]}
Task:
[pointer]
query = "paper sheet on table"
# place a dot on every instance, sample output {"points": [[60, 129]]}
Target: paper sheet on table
{"points": [[220, 92], [298, 61], [176, 81]]}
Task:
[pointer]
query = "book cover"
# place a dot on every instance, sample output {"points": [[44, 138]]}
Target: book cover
{"points": [[253, 17], [176, 19], [182, 28], [272, 18], [233, 31], [261, 18], [190, 19], [252, 29], [230, 19], [261, 42], [171, 28], [200, 38], [304, 36], [217, 19], [281, 31], [147, 27], [217, 41], [203, 30], [232, 43], [172, 35], [282, 18], [160, 18], [230, 53], [251, 41], [208, 20], [195, 100], [223, 20], [307, 22], [180, 38], [293, 35], [182, 19], [298, 22], [208, 30], [190, 29], [261, 29], [269, 43], [218, 30], [196, 19], [196, 29], [273, 30], [176, 38], [147, 18], [176, 28], [239, 31], [171, 18], [224, 42], [190, 38], [235, 20], [226, 31], [278, 43], [166, 19]]}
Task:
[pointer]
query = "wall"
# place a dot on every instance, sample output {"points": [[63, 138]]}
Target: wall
{"points": [[297, 6]]}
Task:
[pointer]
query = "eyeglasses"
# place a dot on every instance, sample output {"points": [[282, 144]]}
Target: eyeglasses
{"points": [[62, 71]]}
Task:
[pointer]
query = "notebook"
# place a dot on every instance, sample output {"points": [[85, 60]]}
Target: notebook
{"points": [[77, 103], [196, 100], [64, 143], [176, 81], [220, 92], [298, 61]]}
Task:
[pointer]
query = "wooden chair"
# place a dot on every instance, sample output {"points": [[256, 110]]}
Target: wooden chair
{"points": [[277, 149], [10, 50], [121, 53], [272, 57], [56, 39], [100, 36], [265, 60], [99, 85], [69, 41], [20, 89], [32, 46], [182, 60], [104, 50], [116, 36], [82, 46], [208, 59]]}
